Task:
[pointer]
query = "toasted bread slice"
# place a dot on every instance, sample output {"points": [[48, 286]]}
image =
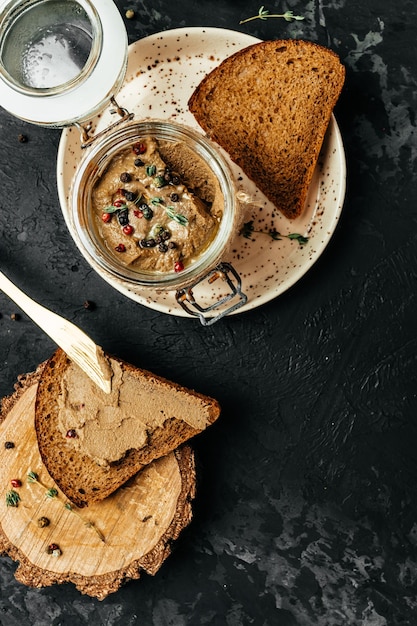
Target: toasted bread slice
{"points": [[91, 442], [269, 106]]}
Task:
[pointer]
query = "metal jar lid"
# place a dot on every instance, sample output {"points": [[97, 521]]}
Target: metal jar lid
{"points": [[61, 61]]}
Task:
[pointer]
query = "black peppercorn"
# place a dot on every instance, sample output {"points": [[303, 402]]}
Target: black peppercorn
{"points": [[130, 195], [125, 177], [147, 243], [123, 218], [9, 445]]}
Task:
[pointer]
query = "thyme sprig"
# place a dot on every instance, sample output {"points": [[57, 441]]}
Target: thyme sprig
{"points": [[88, 524], [264, 14], [114, 209], [177, 217], [248, 229], [52, 493], [156, 201], [170, 211]]}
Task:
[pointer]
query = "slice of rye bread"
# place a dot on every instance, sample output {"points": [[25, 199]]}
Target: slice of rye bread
{"points": [[269, 106], [81, 478]]}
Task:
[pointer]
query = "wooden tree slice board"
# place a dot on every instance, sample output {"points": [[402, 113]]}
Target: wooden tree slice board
{"points": [[138, 522]]}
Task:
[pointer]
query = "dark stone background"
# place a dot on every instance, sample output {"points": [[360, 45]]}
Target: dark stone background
{"points": [[306, 508]]}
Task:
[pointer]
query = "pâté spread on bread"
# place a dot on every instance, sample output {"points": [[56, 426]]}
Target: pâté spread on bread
{"points": [[157, 206], [92, 442], [105, 426]]}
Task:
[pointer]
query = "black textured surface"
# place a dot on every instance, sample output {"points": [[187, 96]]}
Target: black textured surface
{"points": [[306, 509]]}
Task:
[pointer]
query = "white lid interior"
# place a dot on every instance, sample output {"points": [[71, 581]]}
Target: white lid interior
{"points": [[85, 98]]}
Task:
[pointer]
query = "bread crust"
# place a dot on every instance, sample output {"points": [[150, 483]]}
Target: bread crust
{"points": [[269, 106], [78, 476]]}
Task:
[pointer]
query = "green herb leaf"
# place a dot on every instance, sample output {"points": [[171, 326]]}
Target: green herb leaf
{"points": [[12, 498], [51, 493], [247, 229], [150, 170], [274, 234], [263, 13], [177, 217], [157, 201], [159, 181], [32, 477], [290, 17], [300, 238]]}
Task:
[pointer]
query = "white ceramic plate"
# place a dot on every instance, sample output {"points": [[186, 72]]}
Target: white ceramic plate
{"points": [[163, 71]]}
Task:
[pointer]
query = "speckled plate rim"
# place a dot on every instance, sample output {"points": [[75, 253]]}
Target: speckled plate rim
{"points": [[156, 66]]}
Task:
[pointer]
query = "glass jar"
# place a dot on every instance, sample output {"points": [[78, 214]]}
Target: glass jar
{"points": [[61, 61], [91, 169]]}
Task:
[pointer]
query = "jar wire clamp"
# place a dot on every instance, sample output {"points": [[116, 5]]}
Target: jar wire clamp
{"points": [[225, 271], [87, 139]]}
